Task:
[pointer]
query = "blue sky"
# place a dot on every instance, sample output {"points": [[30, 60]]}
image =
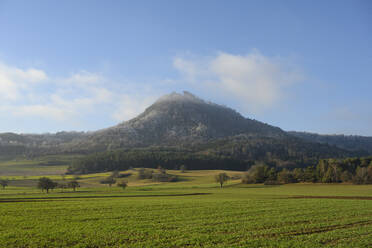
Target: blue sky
{"points": [[86, 65]]}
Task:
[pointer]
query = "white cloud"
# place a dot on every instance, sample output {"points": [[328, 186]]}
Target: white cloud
{"points": [[129, 106], [28, 75], [33, 75], [257, 82], [189, 68], [83, 78], [75, 100], [13, 80], [8, 89]]}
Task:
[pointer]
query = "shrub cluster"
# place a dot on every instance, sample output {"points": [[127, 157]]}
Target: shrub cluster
{"points": [[160, 176]]}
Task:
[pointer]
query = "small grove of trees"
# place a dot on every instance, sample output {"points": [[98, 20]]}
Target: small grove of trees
{"points": [[144, 173], [71, 184], [3, 183], [160, 176], [117, 174], [221, 178], [46, 183], [355, 170], [261, 173], [109, 181], [122, 184], [163, 176], [62, 186]]}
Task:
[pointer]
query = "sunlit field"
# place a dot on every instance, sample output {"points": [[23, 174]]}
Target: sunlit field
{"points": [[194, 212]]}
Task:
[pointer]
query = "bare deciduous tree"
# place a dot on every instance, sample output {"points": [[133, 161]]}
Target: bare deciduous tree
{"points": [[221, 178]]}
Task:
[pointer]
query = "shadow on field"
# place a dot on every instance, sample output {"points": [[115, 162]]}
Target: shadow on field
{"points": [[332, 197], [45, 199], [254, 186]]}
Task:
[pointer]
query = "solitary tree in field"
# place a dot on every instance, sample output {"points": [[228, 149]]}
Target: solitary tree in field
{"points": [[46, 184], [3, 183], [110, 181], [221, 178], [74, 184], [123, 184]]}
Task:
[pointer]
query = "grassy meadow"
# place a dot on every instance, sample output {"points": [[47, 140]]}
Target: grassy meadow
{"points": [[194, 212]]}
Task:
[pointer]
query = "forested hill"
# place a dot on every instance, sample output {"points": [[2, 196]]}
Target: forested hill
{"points": [[177, 120], [187, 123], [173, 120], [348, 142], [232, 153]]}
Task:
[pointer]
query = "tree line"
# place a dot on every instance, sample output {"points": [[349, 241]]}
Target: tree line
{"points": [[152, 158], [45, 183], [232, 153], [349, 170]]}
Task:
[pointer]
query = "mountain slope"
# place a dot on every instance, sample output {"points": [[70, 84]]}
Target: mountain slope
{"points": [[347, 142], [178, 119], [12, 144], [183, 122]]}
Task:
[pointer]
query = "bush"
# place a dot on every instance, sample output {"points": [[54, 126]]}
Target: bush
{"points": [[163, 177], [144, 174], [115, 174], [248, 179], [122, 184], [258, 173], [183, 168], [3, 183], [124, 175], [109, 180]]}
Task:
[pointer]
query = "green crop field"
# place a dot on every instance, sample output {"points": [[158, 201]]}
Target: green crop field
{"points": [[193, 212]]}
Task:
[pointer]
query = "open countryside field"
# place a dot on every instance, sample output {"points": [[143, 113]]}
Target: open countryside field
{"points": [[47, 165], [194, 212]]}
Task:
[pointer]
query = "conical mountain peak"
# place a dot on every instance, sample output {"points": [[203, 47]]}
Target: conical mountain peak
{"points": [[177, 97], [181, 119]]}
